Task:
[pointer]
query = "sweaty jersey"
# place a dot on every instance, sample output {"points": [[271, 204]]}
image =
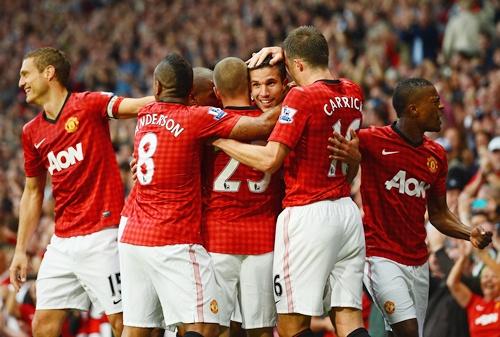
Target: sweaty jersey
{"points": [[76, 150], [240, 204], [308, 117], [397, 179], [165, 207]]}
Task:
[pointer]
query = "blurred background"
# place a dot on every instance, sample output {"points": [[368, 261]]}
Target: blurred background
{"points": [[115, 45]]}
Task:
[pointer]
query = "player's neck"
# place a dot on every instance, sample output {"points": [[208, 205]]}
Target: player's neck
{"points": [[316, 74], [55, 101], [177, 100], [410, 130], [235, 101]]}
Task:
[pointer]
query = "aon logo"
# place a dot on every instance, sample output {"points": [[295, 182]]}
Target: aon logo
{"points": [[65, 158], [410, 186]]}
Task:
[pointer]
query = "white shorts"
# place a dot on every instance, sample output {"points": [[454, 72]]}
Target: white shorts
{"points": [[317, 244], [167, 285], [400, 292], [246, 280], [79, 270]]}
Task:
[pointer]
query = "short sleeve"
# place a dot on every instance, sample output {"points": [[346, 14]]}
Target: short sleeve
{"points": [[213, 122], [106, 104], [33, 164], [292, 120]]}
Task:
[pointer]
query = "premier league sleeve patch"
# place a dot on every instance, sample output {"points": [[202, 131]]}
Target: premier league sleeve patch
{"points": [[217, 113], [286, 116]]}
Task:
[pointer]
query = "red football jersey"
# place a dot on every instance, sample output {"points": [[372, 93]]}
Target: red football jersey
{"points": [[308, 116], [397, 178], [169, 138], [240, 204], [483, 317], [77, 152]]}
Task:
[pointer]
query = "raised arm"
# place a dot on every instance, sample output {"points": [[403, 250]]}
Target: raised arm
{"points": [[447, 223], [29, 215], [129, 107], [259, 57], [458, 290]]}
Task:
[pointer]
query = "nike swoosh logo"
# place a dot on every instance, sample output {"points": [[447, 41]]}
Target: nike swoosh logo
{"points": [[385, 153], [39, 144], [116, 302]]}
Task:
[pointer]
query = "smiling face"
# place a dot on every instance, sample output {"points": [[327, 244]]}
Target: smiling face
{"points": [[35, 83], [490, 283], [266, 87]]}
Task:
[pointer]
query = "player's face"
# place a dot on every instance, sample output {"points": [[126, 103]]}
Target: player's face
{"points": [[266, 87], [32, 81], [429, 109]]}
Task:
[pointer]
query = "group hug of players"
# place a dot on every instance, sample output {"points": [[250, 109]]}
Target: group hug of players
{"points": [[239, 212]]}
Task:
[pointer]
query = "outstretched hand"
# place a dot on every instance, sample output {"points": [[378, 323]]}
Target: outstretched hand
{"points": [[259, 57], [480, 238], [343, 149]]}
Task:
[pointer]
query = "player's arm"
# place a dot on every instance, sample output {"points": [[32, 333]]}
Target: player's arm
{"points": [[448, 223], [252, 128], [30, 210], [266, 158], [458, 290], [129, 107], [346, 151], [259, 57]]}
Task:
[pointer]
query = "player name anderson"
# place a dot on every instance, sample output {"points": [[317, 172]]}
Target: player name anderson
{"points": [[161, 121]]}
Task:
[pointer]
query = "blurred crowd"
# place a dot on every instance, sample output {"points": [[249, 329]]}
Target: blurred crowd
{"points": [[114, 45]]}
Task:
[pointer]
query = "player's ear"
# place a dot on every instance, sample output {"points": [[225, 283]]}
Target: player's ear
{"points": [[217, 93], [412, 110], [157, 87], [49, 72]]}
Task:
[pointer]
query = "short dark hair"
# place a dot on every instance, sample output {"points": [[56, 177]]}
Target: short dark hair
{"points": [[175, 73], [48, 56], [405, 91], [266, 63], [307, 43]]}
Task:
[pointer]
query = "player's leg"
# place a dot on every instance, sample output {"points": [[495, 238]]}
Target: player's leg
{"points": [[258, 310], [388, 284], [227, 273], [99, 274], [48, 323], [186, 287], [235, 330], [304, 254], [142, 312], [346, 279], [57, 288], [419, 291]]}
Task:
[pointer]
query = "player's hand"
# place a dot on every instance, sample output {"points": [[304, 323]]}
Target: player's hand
{"points": [[133, 168], [345, 150], [18, 269], [259, 57], [480, 238]]}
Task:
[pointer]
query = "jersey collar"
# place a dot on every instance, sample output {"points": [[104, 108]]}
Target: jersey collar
{"points": [[54, 121], [406, 139]]}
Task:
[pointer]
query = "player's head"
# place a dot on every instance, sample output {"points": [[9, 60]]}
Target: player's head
{"points": [[305, 48], [173, 78], [203, 88], [41, 69], [418, 100], [231, 79], [268, 84]]}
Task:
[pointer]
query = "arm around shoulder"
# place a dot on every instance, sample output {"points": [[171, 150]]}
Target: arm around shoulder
{"points": [[129, 107]]}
